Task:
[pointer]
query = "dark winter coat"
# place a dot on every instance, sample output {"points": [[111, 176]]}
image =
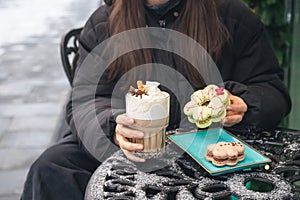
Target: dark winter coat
{"points": [[249, 69]]}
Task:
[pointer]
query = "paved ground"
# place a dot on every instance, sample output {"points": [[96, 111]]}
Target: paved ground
{"points": [[33, 90]]}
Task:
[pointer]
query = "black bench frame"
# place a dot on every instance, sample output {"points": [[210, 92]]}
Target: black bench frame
{"points": [[68, 51]]}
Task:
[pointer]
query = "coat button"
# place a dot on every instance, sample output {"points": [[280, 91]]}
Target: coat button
{"points": [[176, 14]]}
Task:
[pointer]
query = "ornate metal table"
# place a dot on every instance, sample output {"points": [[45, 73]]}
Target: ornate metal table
{"points": [[177, 176]]}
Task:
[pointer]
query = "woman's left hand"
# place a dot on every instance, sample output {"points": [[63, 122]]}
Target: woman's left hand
{"points": [[235, 111]]}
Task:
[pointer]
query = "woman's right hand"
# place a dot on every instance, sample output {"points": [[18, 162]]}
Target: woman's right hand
{"points": [[123, 132]]}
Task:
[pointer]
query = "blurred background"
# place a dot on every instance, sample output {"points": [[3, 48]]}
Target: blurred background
{"points": [[282, 20], [34, 88]]}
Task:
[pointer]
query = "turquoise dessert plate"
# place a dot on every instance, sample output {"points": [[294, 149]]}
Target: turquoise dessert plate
{"points": [[195, 144]]}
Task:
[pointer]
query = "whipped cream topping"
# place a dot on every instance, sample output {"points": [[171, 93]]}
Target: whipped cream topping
{"points": [[150, 106]]}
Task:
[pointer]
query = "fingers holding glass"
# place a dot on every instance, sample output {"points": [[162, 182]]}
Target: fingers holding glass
{"points": [[122, 136]]}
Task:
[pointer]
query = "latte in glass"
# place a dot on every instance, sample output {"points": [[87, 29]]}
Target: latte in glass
{"points": [[149, 107]]}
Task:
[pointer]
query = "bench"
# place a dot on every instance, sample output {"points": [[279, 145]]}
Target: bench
{"points": [[68, 52]]}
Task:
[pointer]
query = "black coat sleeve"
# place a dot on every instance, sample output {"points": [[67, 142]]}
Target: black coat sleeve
{"points": [[255, 75], [89, 111]]}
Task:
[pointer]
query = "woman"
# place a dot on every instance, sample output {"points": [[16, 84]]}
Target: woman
{"points": [[231, 34]]}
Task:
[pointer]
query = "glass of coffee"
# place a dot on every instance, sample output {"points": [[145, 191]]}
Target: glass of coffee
{"points": [[149, 107]]}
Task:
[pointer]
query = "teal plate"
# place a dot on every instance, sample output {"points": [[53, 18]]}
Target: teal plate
{"points": [[195, 144]]}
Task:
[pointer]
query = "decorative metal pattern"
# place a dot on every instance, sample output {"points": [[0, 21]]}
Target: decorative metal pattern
{"points": [[179, 177]]}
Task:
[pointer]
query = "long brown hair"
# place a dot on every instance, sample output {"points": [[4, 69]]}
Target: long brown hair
{"points": [[199, 20]]}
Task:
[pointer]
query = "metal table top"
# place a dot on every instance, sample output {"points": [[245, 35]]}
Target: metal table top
{"points": [[177, 176]]}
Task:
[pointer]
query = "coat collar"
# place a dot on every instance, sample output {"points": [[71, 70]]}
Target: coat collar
{"points": [[161, 10]]}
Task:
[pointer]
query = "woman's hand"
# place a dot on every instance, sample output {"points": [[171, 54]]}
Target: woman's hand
{"points": [[123, 132], [235, 111]]}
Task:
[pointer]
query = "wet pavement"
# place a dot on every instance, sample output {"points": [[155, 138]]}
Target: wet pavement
{"points": [[33, 92]]}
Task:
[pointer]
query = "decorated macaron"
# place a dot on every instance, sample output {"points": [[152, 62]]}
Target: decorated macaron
{"points": [[207, 106], [225, 153]]}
